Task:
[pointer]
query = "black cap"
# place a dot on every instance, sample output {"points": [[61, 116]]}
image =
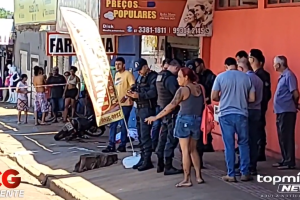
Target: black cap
{"points": [[256, 53], [230, 61], [191, 64], [199, 61], [138, 65]]}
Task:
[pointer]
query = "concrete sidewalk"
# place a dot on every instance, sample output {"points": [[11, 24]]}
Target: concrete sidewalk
{"points": [[34, 149]]}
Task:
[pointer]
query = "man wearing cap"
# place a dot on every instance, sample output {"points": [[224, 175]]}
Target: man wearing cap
{"points": [[144, 93], [257, 61], [233, 116], [254, 112], [57, 91], [167, 85], [206, 77]]}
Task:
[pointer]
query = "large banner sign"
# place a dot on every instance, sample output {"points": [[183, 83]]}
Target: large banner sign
{"points": [[32, 12], [93, 64], [191, 18]]}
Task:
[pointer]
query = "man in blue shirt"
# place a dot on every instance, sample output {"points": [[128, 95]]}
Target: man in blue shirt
{"points": [[233, 89], [286, 100], [254, 114]]}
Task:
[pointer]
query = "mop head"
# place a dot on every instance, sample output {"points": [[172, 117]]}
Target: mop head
{"points": [[130, 161]]}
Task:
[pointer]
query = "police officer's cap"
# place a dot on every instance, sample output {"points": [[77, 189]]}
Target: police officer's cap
{"points": [[138, 65], [191, 64]]}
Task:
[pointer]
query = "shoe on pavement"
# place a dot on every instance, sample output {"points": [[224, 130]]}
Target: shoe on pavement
{"points": [[109, 149], [229, 178], [147, 164], [121, 149], [246, 178], [136, 166], [285, 167], [279, 164]]}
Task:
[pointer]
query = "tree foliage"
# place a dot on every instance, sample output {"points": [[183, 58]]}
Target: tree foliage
{"points": [[4, 13]]}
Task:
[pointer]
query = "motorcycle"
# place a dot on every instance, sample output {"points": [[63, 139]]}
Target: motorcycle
{"points": [[81, 127]]}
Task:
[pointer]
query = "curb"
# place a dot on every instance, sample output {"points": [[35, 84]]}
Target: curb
{"points": [[51, 181]]}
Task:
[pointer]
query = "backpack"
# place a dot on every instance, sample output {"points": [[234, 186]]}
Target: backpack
{"points": [[207, 123]]}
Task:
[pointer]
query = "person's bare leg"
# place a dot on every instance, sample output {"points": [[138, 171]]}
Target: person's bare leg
{"points": [[26, 117], [196, 160], [65, 113], [54, 116], [43, 118], [186, 161], [19, 117], [73, 107]]}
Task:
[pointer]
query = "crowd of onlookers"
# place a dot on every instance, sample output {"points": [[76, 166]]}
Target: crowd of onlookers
{"points": [[53, 93]]}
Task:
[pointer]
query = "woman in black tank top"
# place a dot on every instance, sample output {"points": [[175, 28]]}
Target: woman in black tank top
{"points": [[188, 122]]}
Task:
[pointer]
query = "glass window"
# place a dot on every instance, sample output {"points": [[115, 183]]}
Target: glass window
{"points": [[272, 1], [279, 2], [237, 3]]}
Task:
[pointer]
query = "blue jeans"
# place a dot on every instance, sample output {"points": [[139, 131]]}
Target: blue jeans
{"points": [[114, 125], [155, 129], [231, 124], [57, 104]]}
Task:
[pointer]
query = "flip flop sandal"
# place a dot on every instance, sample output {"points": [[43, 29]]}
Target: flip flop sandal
{"points": [[179, 185]]}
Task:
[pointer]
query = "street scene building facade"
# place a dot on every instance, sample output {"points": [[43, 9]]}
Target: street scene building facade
{"points": [[151, 33]]}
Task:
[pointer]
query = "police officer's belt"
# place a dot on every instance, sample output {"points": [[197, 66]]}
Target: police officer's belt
{"points": [[143, 105]]}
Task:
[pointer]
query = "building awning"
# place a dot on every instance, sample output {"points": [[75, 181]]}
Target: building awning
{"points": [[6, 29]]}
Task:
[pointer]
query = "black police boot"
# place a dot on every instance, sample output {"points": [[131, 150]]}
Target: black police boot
{"points": [[136, 166], [169, 169], [147, 164], [160, 165]]}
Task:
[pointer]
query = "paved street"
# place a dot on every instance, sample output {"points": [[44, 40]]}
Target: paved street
{"points": [[35, 149], [33, 190]]}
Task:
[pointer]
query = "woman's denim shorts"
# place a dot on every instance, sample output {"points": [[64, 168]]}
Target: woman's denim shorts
{"points": [[187, 126]]}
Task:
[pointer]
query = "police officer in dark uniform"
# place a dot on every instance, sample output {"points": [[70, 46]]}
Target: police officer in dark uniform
{"points": [[145, 95], [167, 85], [267, 94]]}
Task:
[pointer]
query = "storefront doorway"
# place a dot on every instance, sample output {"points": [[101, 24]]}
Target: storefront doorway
{"points": [[183, 48]]}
